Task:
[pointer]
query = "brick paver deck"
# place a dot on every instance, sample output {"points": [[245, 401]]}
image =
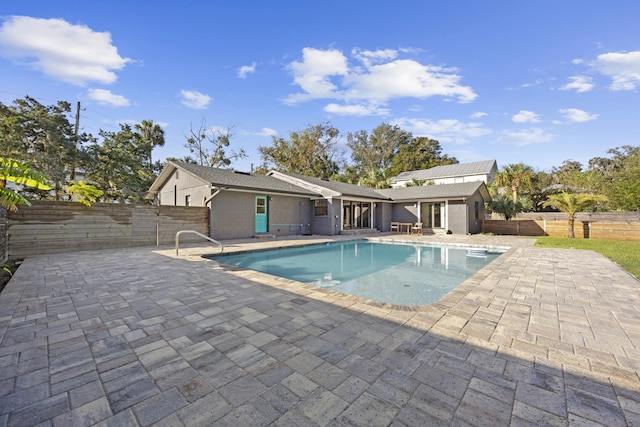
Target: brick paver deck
{"points": [[140, 337]]}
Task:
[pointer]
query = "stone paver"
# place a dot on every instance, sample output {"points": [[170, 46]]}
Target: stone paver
{"points": [[140, 337]]}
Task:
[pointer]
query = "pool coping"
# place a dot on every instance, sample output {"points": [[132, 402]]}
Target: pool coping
{"points": [[449, 300]]}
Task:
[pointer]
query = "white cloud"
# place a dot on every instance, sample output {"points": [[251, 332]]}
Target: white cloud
{"points": [[524, 116], [71, 53], [622, 67], [577, 115], [445, 131], [106, 97], [268, 132], [194, 99], [479, 115], [246, 69], [356, 110], [378, 78], [525, 137], [579, 84], [368, 57], [314, 74], [407, 78]]}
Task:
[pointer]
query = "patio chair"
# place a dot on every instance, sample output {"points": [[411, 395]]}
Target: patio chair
{"points": [[395, 227], [417, 228]]}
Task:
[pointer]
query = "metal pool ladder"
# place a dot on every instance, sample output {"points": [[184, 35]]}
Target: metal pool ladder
{"points": [[179, 233]]}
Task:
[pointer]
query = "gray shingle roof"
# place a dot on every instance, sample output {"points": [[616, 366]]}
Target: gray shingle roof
{"points": [[442, 191], [242, 180], [231, 179], [341, 187], [447, 171]]}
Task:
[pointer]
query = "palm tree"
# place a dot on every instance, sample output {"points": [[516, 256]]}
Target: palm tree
{"points": [[21, 173], [515, 177], [571, 203], [151, 134]]}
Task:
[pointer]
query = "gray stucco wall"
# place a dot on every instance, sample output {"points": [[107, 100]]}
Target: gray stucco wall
{"points": [[404, 212], [179, 186], [286, 213], [383, 216], [475, 224], [458, 217], [233, 216], [328, 225]]}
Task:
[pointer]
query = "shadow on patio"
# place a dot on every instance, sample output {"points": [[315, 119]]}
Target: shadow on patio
{"points": [[139, 337]]}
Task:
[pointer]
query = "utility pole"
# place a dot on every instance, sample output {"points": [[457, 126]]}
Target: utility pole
{"points": [[73, 170]]}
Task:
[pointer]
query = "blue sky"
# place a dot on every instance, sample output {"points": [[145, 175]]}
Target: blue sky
{"points": [[538, 82]]}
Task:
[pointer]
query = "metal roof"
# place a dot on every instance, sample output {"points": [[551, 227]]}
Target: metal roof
{"points": [[448, 171]]}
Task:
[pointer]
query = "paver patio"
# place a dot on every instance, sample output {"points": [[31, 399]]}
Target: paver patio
{"points": [[140, 337]]}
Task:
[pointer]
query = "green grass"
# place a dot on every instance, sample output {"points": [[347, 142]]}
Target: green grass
{"points": [[625, 254]]}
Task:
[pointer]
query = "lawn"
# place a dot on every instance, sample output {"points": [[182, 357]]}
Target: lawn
{"points": [[625, 254]]}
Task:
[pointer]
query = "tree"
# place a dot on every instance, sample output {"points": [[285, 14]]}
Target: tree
{"points": [[152, 135], [120, 166], [418, 154], [313, 152], [624, 189], [618, 177], [571, 203], [505, 206], [373, 153], [515, 177], [209, 144], [21, 173], [84, 193], [41, 135], [416, 182]]}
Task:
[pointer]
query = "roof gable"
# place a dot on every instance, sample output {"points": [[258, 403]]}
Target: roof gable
{"points": [[228, 179]]}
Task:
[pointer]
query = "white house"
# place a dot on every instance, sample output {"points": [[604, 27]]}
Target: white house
{"points": [[484, 171]]}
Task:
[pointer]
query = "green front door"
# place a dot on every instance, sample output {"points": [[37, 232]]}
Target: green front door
{"points": [[261, 214]]}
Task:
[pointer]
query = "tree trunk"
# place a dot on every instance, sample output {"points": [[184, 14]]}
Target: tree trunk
{"points": [[572, 220]]}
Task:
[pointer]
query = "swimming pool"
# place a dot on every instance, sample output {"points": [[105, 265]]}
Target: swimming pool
{"points": [[403, 274]]}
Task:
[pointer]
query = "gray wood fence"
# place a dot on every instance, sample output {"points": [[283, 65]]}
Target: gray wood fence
{"points": [[595, 225], [4, 235], [54, 227]]}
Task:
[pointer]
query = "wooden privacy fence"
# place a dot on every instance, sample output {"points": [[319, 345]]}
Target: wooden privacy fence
{"points": [[4, 234], [52, 227], [609, 226]]}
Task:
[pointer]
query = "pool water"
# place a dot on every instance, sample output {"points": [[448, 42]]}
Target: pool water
{"points": [[404, 274]]}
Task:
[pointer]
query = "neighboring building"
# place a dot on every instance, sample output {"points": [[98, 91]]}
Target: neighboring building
{"points": [[484, 171], [244, 204]]}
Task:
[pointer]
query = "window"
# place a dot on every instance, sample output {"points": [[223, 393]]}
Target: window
{"points": [[321, 207], [477, 208], [261, 205], [187, 200]]}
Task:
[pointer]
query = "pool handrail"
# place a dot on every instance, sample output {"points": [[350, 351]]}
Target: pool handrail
{"points": [[179, 233]]}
